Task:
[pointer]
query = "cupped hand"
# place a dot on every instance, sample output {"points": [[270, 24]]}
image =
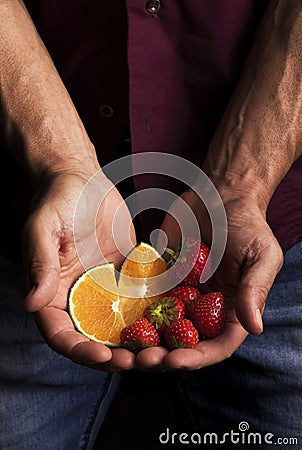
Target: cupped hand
{"points": [[69, 230], [250, 263]]}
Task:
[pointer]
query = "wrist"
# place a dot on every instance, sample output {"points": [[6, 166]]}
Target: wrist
{"points": [[234, 186], [42, 160]]}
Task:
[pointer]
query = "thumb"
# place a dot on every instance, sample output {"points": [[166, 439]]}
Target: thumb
{"points": [[41, 264], [257, 279]]}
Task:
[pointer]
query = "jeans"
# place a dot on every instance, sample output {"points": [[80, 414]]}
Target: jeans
{"points": [[257, 392], [250, 401], [46, 401]]}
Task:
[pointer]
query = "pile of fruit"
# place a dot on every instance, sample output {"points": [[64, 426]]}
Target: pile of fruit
{"points": [[178, 318]]}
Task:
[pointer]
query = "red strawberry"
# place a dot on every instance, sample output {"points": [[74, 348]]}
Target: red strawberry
{"points": [[208, 314], [190, 259], [185, 293], [181, 334], [139, 335], [162, 312]]}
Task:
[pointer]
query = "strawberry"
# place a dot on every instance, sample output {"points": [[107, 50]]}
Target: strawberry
{"points": [[190, 258], [208, 314], [185, 293], [181, 334], [162, 312], [139, 335]]}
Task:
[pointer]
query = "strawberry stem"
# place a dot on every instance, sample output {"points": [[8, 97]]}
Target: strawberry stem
{"points": [[170, 252], [173, 256]]}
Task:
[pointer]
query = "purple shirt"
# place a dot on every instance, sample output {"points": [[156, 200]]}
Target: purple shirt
{"points": [[181, 66]]}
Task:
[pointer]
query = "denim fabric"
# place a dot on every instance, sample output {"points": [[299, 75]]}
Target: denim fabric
{"points": [[46, 401], [261, 384]]}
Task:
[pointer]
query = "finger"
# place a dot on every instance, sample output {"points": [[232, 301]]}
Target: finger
{"points": [[58, 331], [172, 231], [208, 352], [254, 287], [41, 265], [121, 360], [151, 358]]}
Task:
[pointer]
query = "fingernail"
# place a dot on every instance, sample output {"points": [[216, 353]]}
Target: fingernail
{"points": [[259, 320]]}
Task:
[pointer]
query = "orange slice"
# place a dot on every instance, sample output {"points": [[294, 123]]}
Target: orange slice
{"points": [[100, 307]]}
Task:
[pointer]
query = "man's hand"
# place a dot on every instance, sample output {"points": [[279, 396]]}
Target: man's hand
{"points": [[245, 275], [53, 260]]}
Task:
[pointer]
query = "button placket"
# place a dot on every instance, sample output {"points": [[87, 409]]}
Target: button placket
{"points": [[106, 111], [153, 6]]}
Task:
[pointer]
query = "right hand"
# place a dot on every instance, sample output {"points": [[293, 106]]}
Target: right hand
{"points": [[51, 261]]}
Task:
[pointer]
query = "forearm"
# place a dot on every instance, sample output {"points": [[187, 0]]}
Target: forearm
{"points": [[260, 134], [35, 105]]}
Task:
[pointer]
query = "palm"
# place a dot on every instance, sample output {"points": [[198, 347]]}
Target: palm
{"points": [[250, 263], [56, 253]]}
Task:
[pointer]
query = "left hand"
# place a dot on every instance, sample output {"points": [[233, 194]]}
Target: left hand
{"points": [[245, 275]]}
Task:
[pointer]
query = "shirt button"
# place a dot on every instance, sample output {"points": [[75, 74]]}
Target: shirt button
{"points": [[153, 6], [106, 111]]}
